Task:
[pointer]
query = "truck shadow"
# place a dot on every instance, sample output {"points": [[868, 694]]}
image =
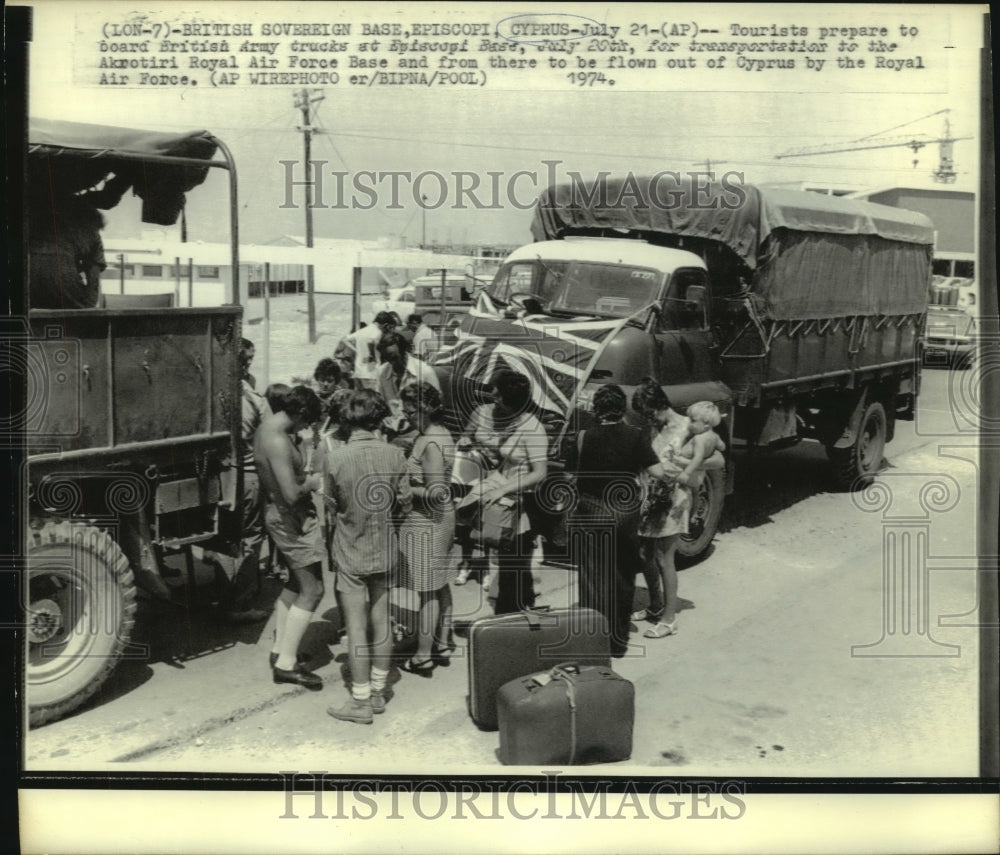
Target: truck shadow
{"points": [[186, 628], [175, 633], [769, 482]]}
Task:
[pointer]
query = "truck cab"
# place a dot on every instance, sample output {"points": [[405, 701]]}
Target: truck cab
{"points": [[659, 296]]}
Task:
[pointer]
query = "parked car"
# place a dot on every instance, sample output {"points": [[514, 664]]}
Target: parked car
{"points": [[950, 336], [400, 301], [444, 309]]}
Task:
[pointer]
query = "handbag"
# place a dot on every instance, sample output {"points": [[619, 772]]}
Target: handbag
{"points": [[498, 522]]}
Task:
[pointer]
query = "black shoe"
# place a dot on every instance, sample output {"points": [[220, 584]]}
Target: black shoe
{"points": [[247, 616], [301, 659], [299, 677], [420, 667]]}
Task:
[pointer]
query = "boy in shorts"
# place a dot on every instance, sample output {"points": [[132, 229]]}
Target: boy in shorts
{"points": [[367, 485], [291, 522]]}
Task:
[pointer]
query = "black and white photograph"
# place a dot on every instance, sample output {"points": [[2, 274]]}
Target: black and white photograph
{"points": [[553, 415]]}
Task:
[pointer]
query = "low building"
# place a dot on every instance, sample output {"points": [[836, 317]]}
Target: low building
{"points": [[200, 274]]}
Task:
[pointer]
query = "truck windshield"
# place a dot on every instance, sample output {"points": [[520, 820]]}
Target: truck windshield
{"points": [[579, 288]]}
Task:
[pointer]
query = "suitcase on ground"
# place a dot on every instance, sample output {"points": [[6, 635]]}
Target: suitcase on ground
{"points": [[571, 715], [504, 647]]}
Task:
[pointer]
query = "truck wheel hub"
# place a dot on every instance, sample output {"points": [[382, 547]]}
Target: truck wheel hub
{"points": [[44, 621]]}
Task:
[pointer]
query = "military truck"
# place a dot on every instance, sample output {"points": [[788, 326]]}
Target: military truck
{"points": [[798, 314], [132, 420]]}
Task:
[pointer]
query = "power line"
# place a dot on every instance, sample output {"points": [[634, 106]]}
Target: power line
{"points": [[492, 147], [660, 158], [336, 151]]}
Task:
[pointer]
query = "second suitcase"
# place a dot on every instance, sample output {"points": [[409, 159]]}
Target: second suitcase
{"points": [[569, 716], [513, 645]]}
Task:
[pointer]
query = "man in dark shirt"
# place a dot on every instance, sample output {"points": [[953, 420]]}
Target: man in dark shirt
{"points": [[607, 459], [66, 255]]}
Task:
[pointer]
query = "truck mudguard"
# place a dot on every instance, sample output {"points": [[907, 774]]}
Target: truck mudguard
{"points": [[850, 432]]}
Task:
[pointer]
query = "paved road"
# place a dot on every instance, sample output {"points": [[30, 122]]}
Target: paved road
{"points": [[781, 666]]}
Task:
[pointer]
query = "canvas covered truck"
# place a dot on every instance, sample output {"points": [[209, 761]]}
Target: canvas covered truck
{"points": [[132, 420], [798, 314]]}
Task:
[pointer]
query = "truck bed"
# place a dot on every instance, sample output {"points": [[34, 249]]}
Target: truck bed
{"points": [[104, 380], [807, 355]]}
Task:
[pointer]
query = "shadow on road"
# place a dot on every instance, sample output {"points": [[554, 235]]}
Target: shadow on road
{"points": [[771, 481], [186, 628]]}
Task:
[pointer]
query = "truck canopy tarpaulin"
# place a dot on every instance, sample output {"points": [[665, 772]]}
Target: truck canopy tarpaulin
{"points": [[809, 255], [74, 157]]}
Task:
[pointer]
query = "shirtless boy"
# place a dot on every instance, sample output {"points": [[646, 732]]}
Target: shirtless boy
{"points": [[292, 523]]}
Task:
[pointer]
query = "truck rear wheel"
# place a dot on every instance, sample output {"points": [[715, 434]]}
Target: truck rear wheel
{"points": [[855, 465], [81, 603], [706, 510]]}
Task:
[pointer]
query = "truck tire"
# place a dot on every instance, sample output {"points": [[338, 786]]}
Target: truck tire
{"points": [[857, 464], [706, 510], [81, 603]]}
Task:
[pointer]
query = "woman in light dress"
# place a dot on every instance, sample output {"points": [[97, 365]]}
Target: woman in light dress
{"points": [[428, 532]]}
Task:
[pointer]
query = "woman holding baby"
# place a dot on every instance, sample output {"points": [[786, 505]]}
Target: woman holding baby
{"points": [[686, 448]]}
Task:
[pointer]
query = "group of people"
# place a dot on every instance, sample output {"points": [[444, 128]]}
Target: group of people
{"points": [[360, 356], [372, 456]]}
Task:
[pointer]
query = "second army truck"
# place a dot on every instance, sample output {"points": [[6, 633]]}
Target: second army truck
{"points": [[800, 315], [132, 424]]}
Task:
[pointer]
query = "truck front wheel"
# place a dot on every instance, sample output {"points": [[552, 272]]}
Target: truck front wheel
{"points": [[80, 611], [706, 510], [858, 462]]}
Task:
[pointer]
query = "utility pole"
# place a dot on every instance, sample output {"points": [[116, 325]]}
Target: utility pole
{"points": [[304, 101], [708, 165]]}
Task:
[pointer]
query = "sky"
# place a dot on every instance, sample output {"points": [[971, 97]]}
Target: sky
{"points": [[480, 130]]}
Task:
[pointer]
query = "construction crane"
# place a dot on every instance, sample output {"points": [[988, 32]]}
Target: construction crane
{"points": [[944, 174]]}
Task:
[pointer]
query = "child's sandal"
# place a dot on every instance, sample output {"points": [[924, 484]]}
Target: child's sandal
{"points": [[661, 630]]}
